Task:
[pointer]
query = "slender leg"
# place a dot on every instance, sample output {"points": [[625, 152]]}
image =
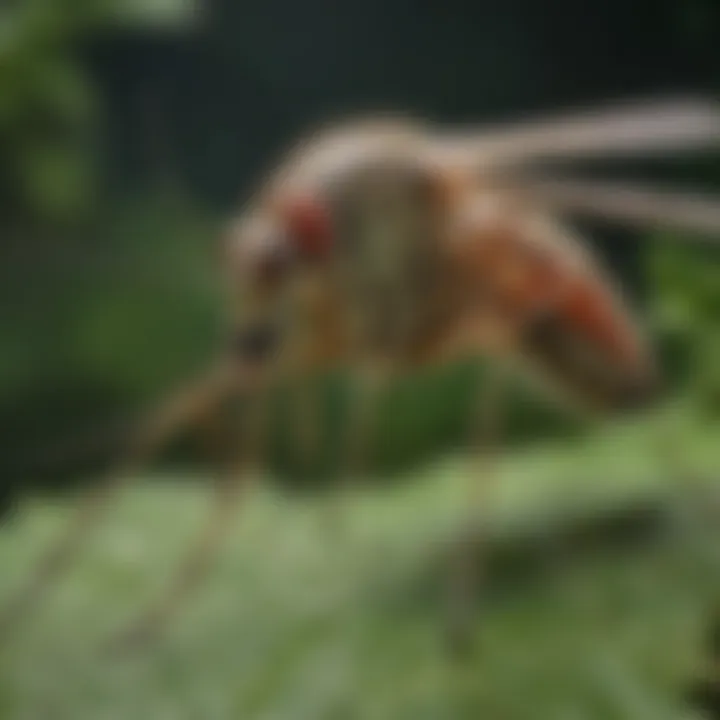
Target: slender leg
{"points": [[179, 412], [196, 565], [191, 573], [365, 389], [307, 421], [465, 576], [364, 395]]}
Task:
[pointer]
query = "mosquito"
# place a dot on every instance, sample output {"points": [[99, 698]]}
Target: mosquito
{"points": [[390, 245]]}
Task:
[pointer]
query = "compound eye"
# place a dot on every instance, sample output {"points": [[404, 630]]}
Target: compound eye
{"points": [[309, 227]]}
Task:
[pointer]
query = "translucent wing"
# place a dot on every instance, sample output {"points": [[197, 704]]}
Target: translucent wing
{"points": [[632, 204], [632, 129]]}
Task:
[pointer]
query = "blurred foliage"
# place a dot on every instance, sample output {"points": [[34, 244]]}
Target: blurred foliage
{"points": [[95, 330], [686, 314], [84, 306], [48, 109], [297, 623], [417, 417]]}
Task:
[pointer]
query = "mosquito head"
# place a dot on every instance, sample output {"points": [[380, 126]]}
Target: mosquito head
{"points": [[269, 256], [265, 246]]}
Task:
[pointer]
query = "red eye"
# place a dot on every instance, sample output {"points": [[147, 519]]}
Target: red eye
{"points": [[309, 225]]}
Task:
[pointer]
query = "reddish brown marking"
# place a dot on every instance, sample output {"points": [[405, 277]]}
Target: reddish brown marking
{"points": [[520, 279], [524, 279], [310, 227], [590, 309]]}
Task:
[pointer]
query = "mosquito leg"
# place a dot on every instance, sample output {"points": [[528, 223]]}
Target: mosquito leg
{"points": [[307, 421], [194, 568], [364, 395], [365, 389], [467, 558], [190, 575], [179, 412]]}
